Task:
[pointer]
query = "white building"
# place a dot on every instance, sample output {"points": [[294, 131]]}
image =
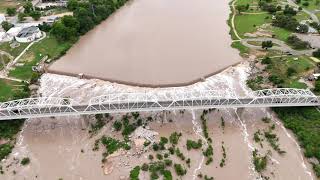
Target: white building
{"points": [[14, 31], [2, 18], [28, 34]]}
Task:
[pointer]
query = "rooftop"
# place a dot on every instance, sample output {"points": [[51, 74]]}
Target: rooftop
{"points": [[25, 32]]}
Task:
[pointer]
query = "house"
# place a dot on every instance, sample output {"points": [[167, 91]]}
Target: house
{"points": [[28, 34]]}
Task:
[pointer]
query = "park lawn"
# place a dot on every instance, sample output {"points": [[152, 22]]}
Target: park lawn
{"points": [[313, 4], [8, 88], [13, 51], [318, 15], [4, 4], [301, 65], [48, 46], [280, 33], [302, 16], [3, 59], [248, 23], [243, 49]]}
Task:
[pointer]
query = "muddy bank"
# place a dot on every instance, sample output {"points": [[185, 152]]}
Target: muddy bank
{"points": [[155, 43]]}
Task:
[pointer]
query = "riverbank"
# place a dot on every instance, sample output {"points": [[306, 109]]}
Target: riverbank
{"points": [[272, 70]]}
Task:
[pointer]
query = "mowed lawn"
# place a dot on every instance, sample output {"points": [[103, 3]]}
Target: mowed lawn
{"points": [[300, 64], [8, 89], [248, 23], [47, 47], [13, 51], [4, 4], [280, 33]]}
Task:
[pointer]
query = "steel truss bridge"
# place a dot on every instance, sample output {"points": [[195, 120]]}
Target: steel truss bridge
{"points": [[150, 101]]}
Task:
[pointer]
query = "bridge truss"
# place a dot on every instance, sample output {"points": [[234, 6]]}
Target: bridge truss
{"points": [[151, 101]]}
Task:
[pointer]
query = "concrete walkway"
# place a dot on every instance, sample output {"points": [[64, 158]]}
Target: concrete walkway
{"points": [[281, 46], [5, 71]]}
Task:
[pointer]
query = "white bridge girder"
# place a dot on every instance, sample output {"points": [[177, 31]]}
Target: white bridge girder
{"points": [[151, 101]]}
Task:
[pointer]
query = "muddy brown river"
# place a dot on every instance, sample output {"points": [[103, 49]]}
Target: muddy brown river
{"points": [[155, 43]]}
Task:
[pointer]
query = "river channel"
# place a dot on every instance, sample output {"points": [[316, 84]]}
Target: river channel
{"points": [[155, 43]]}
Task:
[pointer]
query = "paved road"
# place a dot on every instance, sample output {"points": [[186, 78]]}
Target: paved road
{"points": [[282, 46], [47, 111]]}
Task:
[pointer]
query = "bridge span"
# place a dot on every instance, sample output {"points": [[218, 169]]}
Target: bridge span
{"points": [[151, 101]]}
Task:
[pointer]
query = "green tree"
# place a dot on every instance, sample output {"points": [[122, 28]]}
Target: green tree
{"points": [[21, 16], [317, 85], [316, 53], [117, 125], [35, 15], [25, 161], [11, 11], [291, 71], [266, 44], [134, 173], [72, 5], [180, 170], [6, 25], [28, 8], [241, 8]]}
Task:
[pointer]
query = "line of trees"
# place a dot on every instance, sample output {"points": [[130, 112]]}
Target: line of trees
{"points": [[86, 14]]}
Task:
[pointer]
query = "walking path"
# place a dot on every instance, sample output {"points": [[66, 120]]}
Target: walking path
{"points": [[282, 46], [5, 71], [232, 20]]}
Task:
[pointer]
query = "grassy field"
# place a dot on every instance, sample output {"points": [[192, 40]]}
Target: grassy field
{"points": [[313, 4], [4, 4], [243, 49], [3, 61], [246, 23], [13, 51], [48, 46], [279, 67], [281, 33], [8, 89], [302, 16]]}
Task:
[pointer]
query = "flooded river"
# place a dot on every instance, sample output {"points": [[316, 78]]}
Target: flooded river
{"points": [[155, 43], [54, 145]]}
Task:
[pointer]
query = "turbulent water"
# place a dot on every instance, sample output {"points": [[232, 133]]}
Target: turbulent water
{"points": [[155, 43], [54, 144]]}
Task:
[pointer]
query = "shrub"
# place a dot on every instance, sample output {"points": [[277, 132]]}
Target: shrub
{"points": [[266, 60], [11, 11], [297, 43], [144, 167], [159, 156], [6, 25], [155, 146], [179, 169], [150, 157], [260, 163], [167, 175], [25, 161], [168, 162], [174, 138], [193, 144], [316, 53], [117, 125], [134, 173]]}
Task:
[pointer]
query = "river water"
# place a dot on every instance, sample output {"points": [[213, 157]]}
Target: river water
{"points": [[155, 43], [194, 42], [54, 144]]}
